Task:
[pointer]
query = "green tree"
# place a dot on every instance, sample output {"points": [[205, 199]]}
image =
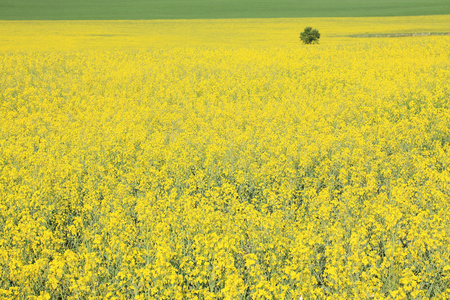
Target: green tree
{"points": [[310, 36]]}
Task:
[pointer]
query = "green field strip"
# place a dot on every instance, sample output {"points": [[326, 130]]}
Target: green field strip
{"points": [[214, 9]]}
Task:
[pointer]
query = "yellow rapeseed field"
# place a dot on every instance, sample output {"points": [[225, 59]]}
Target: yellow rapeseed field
{"points": [[222, 159]]}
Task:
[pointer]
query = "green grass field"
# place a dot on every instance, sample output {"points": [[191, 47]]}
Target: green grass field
{"points": [[211, 9]]}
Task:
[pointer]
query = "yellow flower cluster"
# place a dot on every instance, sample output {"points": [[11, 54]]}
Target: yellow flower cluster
{"points": [[248, 173]]}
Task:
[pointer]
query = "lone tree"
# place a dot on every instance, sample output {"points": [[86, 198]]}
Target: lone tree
{"points": [[310, 36]]}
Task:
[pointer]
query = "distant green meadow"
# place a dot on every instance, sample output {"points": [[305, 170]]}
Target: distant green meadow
{"points": [[213, 9]]}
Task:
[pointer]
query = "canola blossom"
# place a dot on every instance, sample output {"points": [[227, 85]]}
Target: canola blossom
{"points": [[246, 172]]}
